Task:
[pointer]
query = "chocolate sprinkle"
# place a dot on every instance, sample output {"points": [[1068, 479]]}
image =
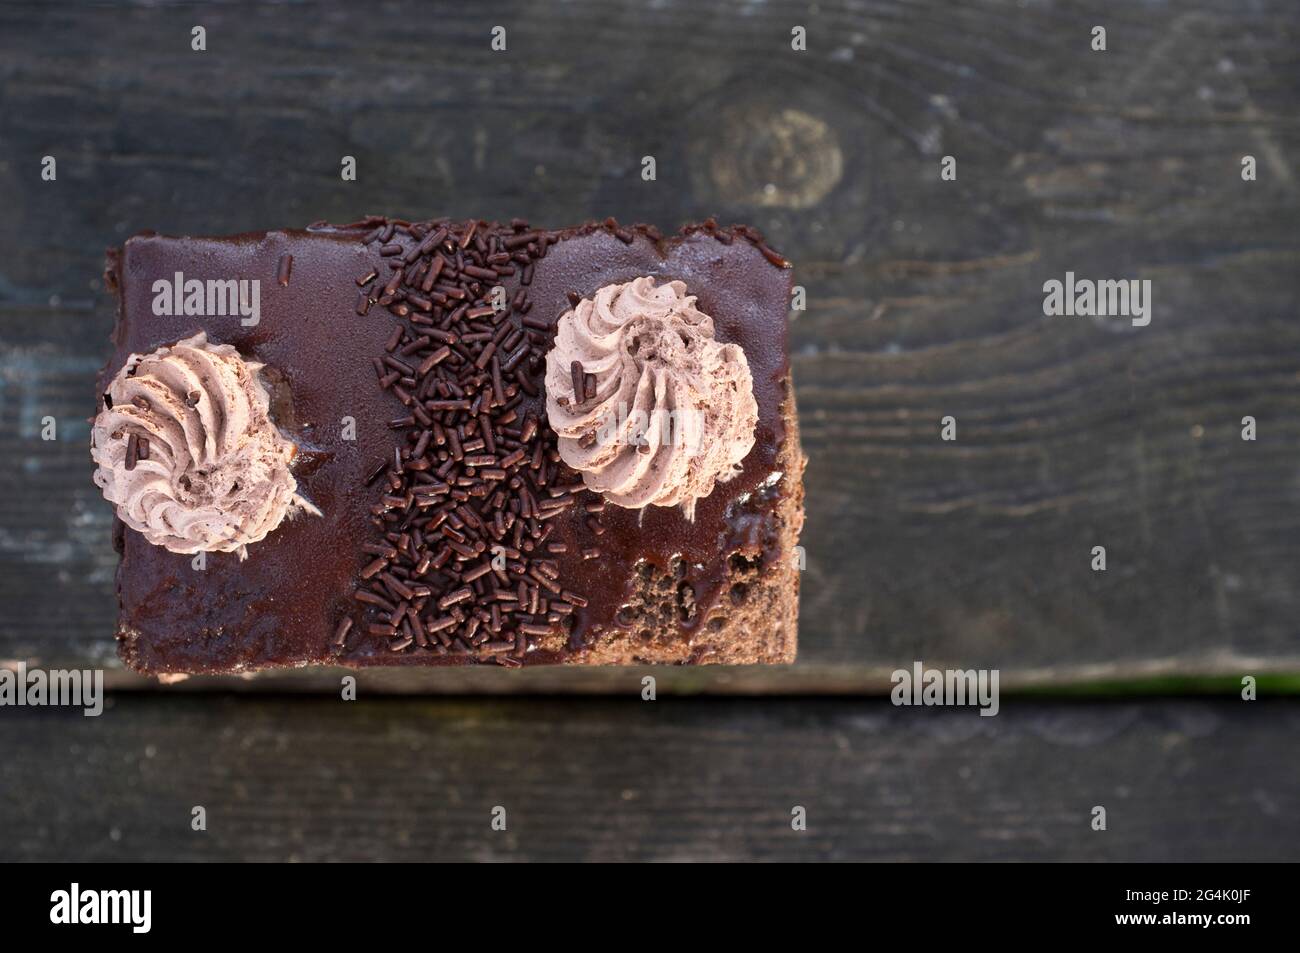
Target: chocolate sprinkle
{"points": [[468, 480], [341, 633], [579, 383]]}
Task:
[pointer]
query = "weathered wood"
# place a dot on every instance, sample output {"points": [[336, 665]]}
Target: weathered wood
{"points": [[668, 780], [924, 296]]}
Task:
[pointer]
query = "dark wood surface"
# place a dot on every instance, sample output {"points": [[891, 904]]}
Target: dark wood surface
{"points": [[924, 299], [682, 779], [924, 296]]}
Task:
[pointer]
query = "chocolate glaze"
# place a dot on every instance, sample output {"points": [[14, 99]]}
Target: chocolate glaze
{"points": [[281, 606]]}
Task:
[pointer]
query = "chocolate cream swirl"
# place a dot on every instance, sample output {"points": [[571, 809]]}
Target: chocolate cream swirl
{"points": [[186, 449], [648, 406]]}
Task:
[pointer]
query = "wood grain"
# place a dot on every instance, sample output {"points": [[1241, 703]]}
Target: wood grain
{"points": [[320, 779], [924, 296]]}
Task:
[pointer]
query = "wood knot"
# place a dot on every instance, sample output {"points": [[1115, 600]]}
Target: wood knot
{"points": [[786, 159]]}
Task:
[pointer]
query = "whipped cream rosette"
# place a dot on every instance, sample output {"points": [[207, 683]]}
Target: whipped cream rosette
{"points": [[649, 407], [186, 450]]}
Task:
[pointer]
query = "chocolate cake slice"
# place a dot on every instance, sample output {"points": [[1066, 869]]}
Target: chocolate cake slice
{"points": [[397, 443]]}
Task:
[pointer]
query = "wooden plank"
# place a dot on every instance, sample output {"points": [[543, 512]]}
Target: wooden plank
{"points": [[630, 780], [924, 296]]}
